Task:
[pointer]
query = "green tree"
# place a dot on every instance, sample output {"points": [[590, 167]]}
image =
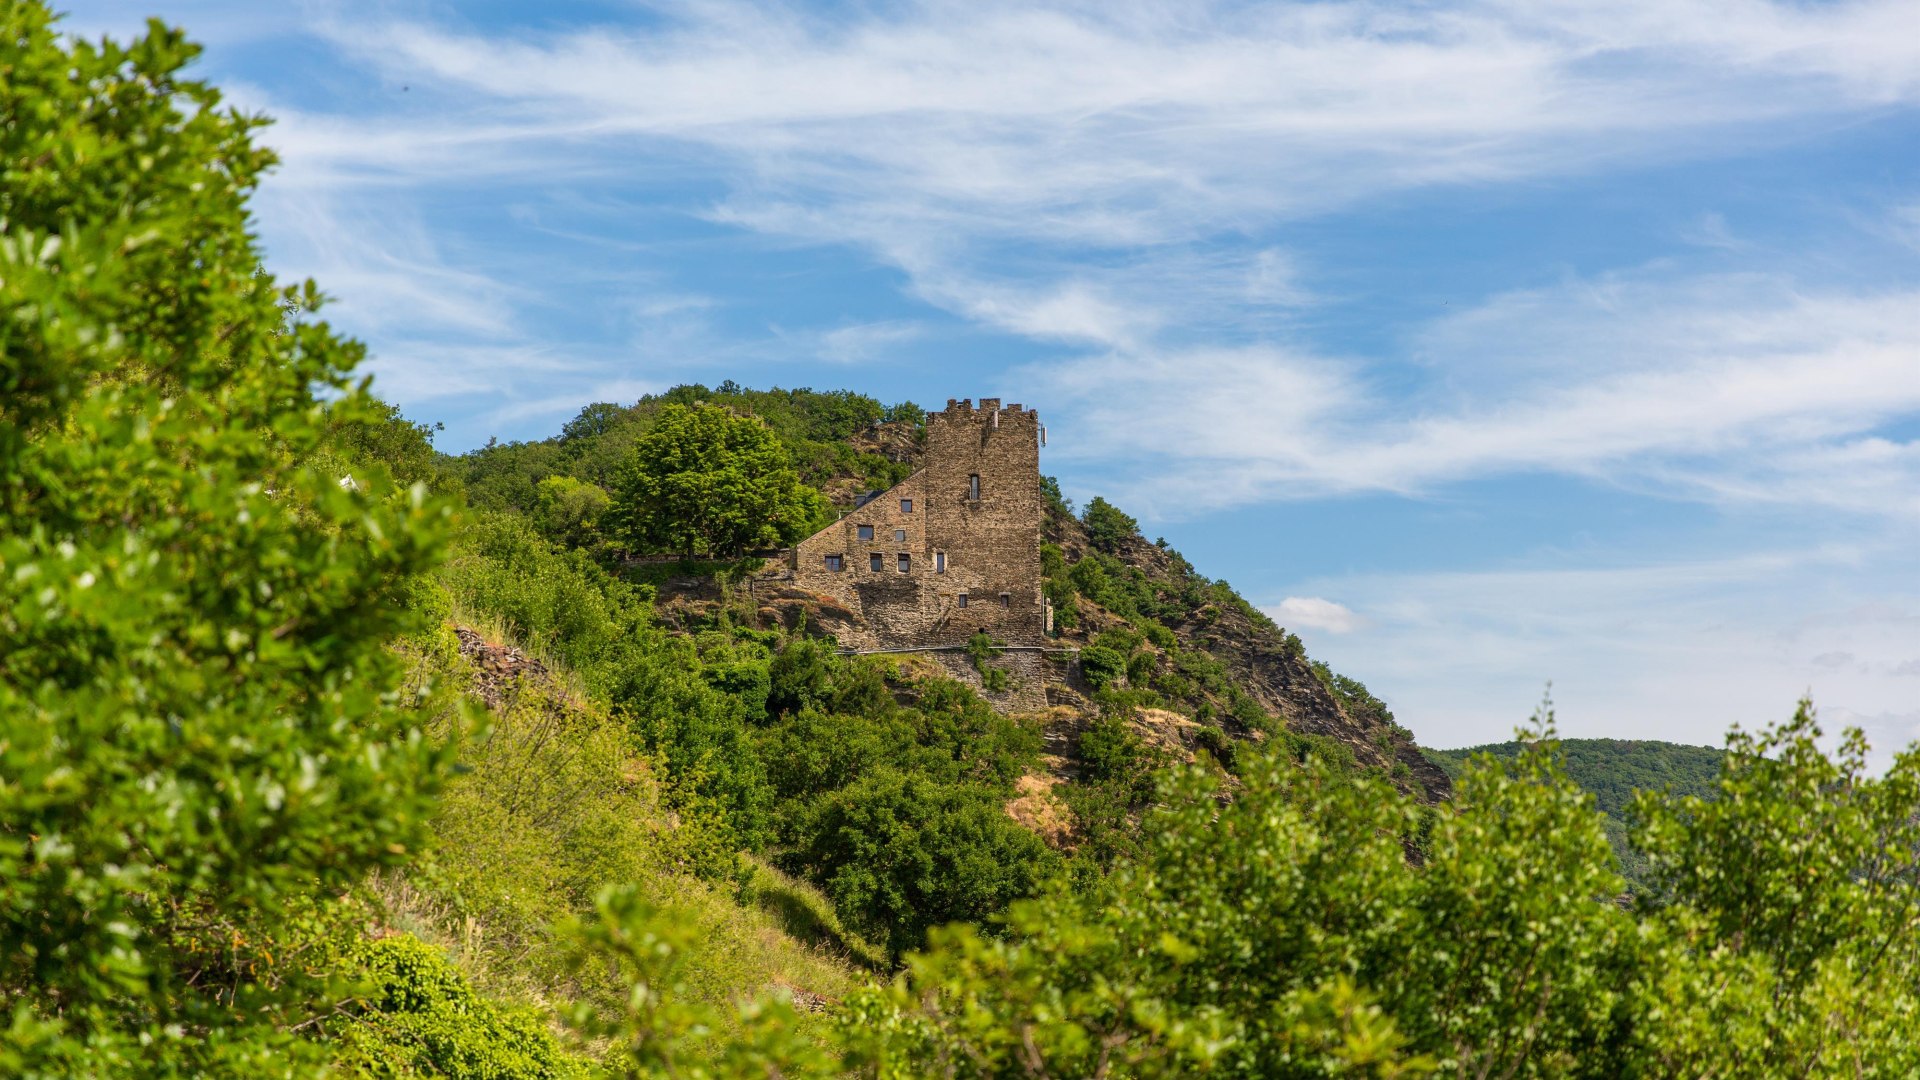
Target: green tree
{"points": [[899, 853], [568, 511], [1107, 525], [201, 743], [709, 481]]}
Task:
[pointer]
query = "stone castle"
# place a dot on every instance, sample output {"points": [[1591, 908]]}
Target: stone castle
{"points": [[949, 552]]}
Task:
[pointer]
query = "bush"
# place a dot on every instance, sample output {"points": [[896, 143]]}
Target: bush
{"points": [[421, 1016], [899, 854], [1101, 666], [203, 739], [568, 511]]}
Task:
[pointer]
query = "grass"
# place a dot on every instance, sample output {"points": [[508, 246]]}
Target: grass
{"points": [[555, 802]]}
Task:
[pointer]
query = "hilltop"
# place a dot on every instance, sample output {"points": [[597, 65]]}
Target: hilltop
{"points": [[1181, 657]]}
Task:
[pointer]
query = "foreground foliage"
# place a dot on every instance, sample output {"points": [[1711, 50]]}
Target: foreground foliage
{"points": [[200, 744], [1286, 933]]}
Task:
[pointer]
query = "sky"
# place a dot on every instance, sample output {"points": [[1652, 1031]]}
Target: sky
{"points": [[1486, 345]]}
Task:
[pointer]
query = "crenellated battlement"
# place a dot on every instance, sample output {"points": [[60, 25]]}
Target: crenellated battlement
{"points": [[958, 407]]}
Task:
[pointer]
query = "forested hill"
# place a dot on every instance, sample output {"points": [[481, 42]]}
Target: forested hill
{"points": [[1181, 659], [323, 754], [1613, 769]]}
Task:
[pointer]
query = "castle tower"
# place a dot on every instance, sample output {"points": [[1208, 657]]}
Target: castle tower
{"points": [[982, 488]]}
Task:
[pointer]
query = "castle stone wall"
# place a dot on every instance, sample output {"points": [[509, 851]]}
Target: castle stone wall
{"points": [[962, 538]]}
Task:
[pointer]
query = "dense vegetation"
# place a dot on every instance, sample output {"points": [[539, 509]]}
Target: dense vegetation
{"points": [[252, 824], [1613, 771]]}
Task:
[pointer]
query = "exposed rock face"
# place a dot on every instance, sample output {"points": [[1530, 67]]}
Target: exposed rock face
{"points": [[1257, 655], [498, 669]]}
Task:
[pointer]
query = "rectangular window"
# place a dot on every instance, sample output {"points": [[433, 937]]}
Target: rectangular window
{"points": [[939, 562], [963, 600], [874, 563], [906, 506], [865, 532], [1005, 600], [836, 563], [906, 563], [899, 536], [973, 487]]}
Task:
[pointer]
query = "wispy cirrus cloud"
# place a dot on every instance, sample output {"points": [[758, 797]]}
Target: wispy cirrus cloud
{"points": [[1738, 390]]}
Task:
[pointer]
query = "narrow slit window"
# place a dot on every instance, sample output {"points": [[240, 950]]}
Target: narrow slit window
{"points": [[962, 600], [865, 531], [906, 506], [939, 562], [899, 536], [874, 563], [1005, 600], [973, 487], [836, 563], [905, 563]]}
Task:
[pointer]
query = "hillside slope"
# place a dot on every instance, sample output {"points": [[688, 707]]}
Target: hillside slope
{"points": [[1202, 667], [1227, 664]]}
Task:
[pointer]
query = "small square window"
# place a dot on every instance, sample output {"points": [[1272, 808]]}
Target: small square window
{"points": [[939, 562], [865, 532], [906, 506], [1005, 600], [899, 536], [906, 563], [836, 563], [874, 563], [973, 487], [962, 600]]}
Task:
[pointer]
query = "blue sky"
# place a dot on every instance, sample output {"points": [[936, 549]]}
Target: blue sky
{"points": [[1483, 344]]}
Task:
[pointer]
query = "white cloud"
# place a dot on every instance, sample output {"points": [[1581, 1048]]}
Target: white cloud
{"points": [[861, 342], [1744, 390], [1678, 650], [1314, 613], [930, 133]]}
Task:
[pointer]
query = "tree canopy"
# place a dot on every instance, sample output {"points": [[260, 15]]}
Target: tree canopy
{"points": [[709, 481]]}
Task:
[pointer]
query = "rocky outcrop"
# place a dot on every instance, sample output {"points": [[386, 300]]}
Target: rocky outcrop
{"points": [[498, 670], [1261, 658]]}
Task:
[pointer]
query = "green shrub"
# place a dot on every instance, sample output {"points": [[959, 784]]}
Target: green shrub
{"points": [[203, 738], [748, 682], [1106, 525], [1109, 750], [900, 853], [420, 1017], [568, 511], [1101, 666]]}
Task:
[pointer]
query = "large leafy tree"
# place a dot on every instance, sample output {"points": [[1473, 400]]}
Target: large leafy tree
{"points": [[709, 481], [200, 742]]}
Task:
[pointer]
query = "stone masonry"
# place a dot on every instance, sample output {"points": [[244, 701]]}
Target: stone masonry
{"points": [[951, 551]]}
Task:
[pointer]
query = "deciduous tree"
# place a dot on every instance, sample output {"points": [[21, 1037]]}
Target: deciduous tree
{"points": [[709, 481]]}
